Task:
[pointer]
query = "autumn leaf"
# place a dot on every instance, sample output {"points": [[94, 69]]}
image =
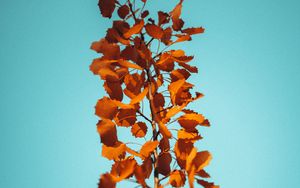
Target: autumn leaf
{"points": [[109, 50], [108, 132], [193, 30], [177, 178], [148, 148], [123, 169], [139, 129], [105, 108], [114, 90], [115, 152], [206, 184], [154, 31], [107, 7], [125, 117], [140, 96], [190, 121], [163, 163], [135, 29], [123, 11], [106, 180]]}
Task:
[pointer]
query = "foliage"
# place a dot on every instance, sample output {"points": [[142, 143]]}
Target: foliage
{"points": [[134, 72]]}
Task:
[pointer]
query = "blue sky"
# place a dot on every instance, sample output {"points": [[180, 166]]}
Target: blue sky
{"points": [[249, 72]]}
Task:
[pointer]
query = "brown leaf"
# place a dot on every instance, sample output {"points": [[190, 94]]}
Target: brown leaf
{"points": [[147, 167], [105, 108], [116, 37], [206, 184], [193, 30], [125, 117], [107, 180], [154, 31], [177, 178], [166, 38], [164, 145], [107, 7], [189, 67], [163, 163], [203, 174], [140, 175], [148, 148], [139, 129], [108, 132], [182, 150], [114, 90], [116, 152], [137, 28], [163, 18], [145, 14], [123, 11]]}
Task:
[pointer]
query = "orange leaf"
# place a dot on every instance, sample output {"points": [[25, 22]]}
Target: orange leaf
{"points": [[115, 152], [137, 28], [105, 108], [182, 150], [163, 163], [164, 130], [174, 88], [179, 74], [188, 136], [175, 15], [122, 105], [190, 121], [201, 160], [148, 148], [109, 50], [108, 132], [177, 178], [129, 65], [139, 129], [154, 31], [140, 96], [123, 169], [140, 176]]}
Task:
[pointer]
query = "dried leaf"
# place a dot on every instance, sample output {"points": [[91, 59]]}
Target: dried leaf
{"points": [[114, 90], [109, 51], [206, 184]]}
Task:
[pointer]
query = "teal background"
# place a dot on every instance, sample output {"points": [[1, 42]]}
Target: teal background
{"points": [[249, 71]]}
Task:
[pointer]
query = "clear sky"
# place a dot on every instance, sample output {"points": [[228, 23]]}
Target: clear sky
{"points": [[249, 61]]}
